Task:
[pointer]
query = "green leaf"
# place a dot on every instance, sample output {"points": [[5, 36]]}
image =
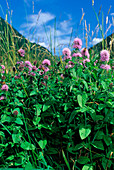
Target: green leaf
{"points": [[84, 131], [28, 166], [16, 138], [106, 163], [72, 116], [36, 120], [87, 167], [100, 135], [27, 146], [86, 85], [45, 107], [98, 145], [103, 84], [99, 117], [107, 140], [33, 93], [52, 151], [19, 121], [79, 146], [83, 160], [5, 118], [79, 98], [42, 143], [10, 157]]}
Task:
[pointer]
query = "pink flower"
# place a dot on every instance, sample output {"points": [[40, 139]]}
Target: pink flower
{"points": [[46, 69], [17, 77], [2, 98], [66, 52], [41, 72], [67, 66], [67, 57], [86, 60], [62, 76], [112, 67], [77, 55], [32, 73], [77, 43], [21, 52], [46, 77], [3, 67], [5, 87], [28, 63], [95, 62], [104, 55], [71, 64], [85, 52], [34, 68], [106, 67], [80, 63], [46, 62], [19, 62]]}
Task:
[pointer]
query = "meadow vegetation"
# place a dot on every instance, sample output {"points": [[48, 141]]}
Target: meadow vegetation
{"points": [[56, 112]]}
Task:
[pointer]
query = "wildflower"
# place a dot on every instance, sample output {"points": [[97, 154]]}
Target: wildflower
{"points": [[32, 73], [15, 112], [95, 62], [86, 60], [45, 69], [77, 55], [43, 84], [67, 57], [28, 63], [21, 52], [2, 98], [66, 52], [106, 67], [77, 43], [46, 62], [21, 67], [41, 72], [113, 67], [71, 64], [17, 77], [67, 66], [3, 67], [46, 77], [62, 76], [85, 52], [19, 62], [34, 68], [104, 55], [5, 87]]}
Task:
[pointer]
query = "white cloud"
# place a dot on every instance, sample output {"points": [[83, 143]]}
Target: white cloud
{"points": [[112, 14], [96, 40], [36, 32]]}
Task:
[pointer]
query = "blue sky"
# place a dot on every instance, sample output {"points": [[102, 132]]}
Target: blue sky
{"points": [[29, 17]]}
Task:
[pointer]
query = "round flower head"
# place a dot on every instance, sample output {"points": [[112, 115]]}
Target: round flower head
{"points": [[104, 55], [86, 60], [2, 98], [34, 68], [106, 67], [28, 63], [77, 43], [5, 87], [85, 52], [67, 57], [77, 55], [46, 62], [3, 67], [21, 52], [66, 52]]}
